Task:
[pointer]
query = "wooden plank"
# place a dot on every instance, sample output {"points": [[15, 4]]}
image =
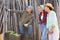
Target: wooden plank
{"points": [[15, 17], [1, 36], [5, 17], [8, 16], [1, 16]]}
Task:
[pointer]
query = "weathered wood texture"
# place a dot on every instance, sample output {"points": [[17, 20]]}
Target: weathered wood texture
{"points": [[10, 21]]}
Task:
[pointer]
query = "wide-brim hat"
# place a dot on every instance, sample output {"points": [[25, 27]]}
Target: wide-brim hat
{"points": [[49, 5]]}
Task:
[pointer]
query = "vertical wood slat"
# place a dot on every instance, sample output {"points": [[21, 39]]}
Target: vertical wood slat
{"points": [[5, 17], [1, 19], [12, 23], [34, 28], [24, 5], [26, 2], [1, 16], [15, 17], [8, 16]]}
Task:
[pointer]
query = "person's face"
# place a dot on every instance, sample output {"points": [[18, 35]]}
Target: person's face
{"points": [[46, 9], [40, 9], [29, 10]]}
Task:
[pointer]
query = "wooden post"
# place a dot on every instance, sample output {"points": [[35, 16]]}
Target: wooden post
{"points": [[59, 17], [1, 36], [5, 17]]}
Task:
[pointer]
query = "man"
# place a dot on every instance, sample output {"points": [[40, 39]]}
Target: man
{"points": [[52, 23], [42, 21], [26, 20]]}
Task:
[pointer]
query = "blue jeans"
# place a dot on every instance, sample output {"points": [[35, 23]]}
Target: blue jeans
{"points": [[29, 29], [44, 33]]}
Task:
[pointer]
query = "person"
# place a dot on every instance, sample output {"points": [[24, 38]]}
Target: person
{"points": [[42, 21], [26, 21], [52, 23]]}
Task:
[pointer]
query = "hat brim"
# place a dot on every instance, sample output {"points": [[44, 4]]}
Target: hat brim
{"points": [[49, 6]]}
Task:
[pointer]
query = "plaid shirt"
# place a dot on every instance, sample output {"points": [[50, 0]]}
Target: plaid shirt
{"points": [[44, 18]]}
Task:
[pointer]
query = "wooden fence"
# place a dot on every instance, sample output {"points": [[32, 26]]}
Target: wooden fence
{"points": [[10, 21]]}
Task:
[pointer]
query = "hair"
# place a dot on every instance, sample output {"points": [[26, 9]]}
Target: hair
{"points": [[31, 11], [50, 8]]}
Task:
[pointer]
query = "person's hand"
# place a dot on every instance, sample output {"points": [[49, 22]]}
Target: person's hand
{"points": [[26, 25], [49, 32], [52, 29]]}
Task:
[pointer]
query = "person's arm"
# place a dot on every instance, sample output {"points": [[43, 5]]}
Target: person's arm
{"points": [[51, 30], [53, 23], [30, 21], [14, 11]]}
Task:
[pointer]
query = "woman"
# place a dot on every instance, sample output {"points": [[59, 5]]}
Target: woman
{"points": [[42, 21], [52, 24]]}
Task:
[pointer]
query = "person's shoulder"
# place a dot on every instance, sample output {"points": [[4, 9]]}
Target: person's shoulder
{"points": [[53, 13]]}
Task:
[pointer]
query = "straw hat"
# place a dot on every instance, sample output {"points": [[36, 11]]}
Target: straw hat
{"points": [[49, 5]]}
